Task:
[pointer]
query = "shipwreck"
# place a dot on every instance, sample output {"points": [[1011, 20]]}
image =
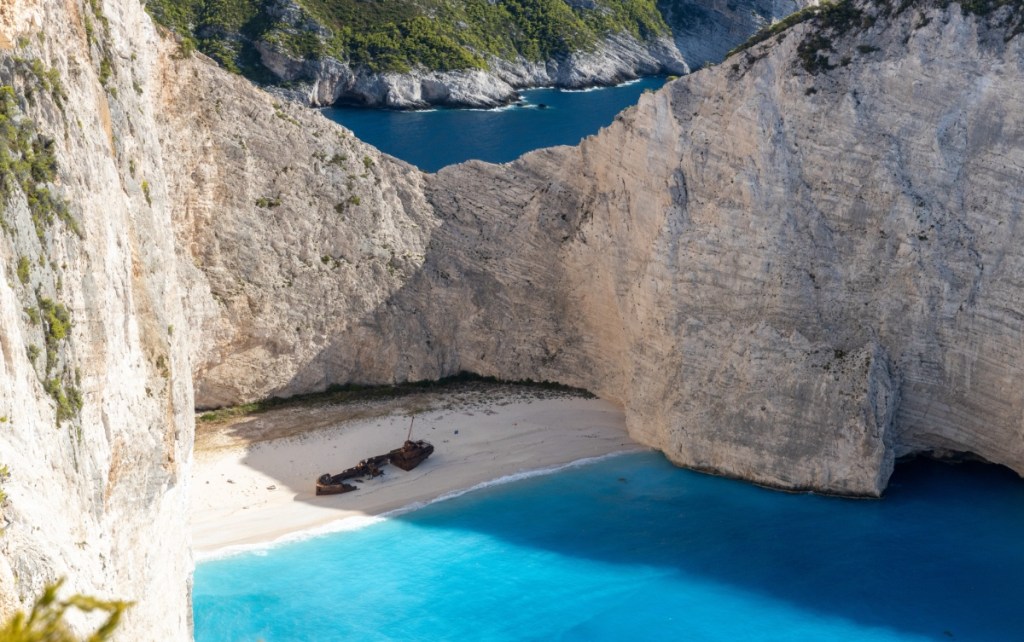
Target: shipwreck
{"points": [[408, 456]]}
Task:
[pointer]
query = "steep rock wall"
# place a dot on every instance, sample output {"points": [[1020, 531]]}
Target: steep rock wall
{"points": [[861, 210], [95, 381], [790, 268], [290, 231]]}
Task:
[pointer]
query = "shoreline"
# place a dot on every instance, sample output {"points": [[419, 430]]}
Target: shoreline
{"points": [[355, 522], [251, 493], [517, 100]]}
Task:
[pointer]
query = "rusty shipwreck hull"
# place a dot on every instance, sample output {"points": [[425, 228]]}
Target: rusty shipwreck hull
{"points": [[410, 455]]}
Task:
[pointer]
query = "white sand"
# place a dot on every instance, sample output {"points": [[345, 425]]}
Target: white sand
{"points": [[252, 493]]}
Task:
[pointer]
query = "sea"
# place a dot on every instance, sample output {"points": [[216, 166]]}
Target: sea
{"points": [[437, 138], [630, 547]]}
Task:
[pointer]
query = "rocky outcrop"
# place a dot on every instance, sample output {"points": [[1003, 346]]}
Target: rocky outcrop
{"points": [[95, 380], [326, 81], [790, 268]]}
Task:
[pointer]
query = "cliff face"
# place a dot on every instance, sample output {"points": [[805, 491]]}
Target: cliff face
{"points": [[95, 393], [290, 230], [794, 266], [790, 268]]}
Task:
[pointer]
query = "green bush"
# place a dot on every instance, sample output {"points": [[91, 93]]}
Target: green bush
{"points": [[57, 318], [5, 474], [28, 162], [23, 270], [105, 71], [46, 621]]}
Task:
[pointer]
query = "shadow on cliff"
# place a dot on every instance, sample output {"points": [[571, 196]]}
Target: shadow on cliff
{"points": [[939, 556]]}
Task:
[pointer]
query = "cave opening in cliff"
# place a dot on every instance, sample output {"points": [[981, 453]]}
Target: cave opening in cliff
{"points": [[942, 461]]}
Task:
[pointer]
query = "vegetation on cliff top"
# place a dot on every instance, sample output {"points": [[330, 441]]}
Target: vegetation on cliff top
{"points": [[399, 35]]}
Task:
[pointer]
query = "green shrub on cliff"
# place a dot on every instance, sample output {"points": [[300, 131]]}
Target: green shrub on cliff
{"points": [[399, 35], [23, 270], [28, 162], [46, 621], [221, 29]]}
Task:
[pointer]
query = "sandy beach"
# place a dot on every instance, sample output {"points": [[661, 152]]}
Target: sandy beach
{"points": [[253, 476]]}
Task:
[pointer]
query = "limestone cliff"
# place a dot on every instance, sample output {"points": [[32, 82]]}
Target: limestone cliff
{"points": [[95, 392], [790, 268], [291, 231]]}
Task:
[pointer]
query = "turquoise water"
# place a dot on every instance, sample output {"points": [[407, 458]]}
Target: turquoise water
{"points": [[437, 138], [632, 547]]}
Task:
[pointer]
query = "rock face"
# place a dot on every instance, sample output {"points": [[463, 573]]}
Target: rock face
{"points": [[790, 268], [95, 393], [281, 215]]}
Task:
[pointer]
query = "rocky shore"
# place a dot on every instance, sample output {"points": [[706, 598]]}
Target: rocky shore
{"points": [[325, 81]]}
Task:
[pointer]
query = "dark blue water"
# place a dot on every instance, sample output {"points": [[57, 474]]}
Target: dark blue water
{"points": [[633, 548], [434, 139]]}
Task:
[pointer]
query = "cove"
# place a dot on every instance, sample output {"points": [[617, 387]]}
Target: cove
{"points": [[632, 546], [437, 138]]}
